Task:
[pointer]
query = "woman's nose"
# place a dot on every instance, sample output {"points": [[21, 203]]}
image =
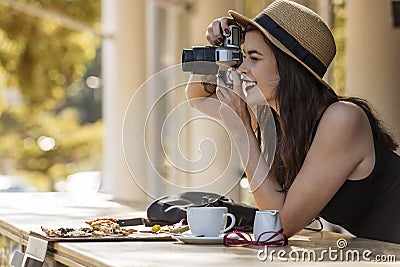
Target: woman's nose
{"points": [[242, 68]]}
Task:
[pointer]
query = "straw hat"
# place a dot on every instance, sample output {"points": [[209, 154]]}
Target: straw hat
{"points": [[298, 32]]}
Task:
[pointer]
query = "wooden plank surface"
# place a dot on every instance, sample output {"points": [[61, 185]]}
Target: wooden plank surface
{"points": [[181, 254], [21, 213]]}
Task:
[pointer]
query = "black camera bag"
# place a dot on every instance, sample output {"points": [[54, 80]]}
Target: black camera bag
{"points": [[172, 209]]}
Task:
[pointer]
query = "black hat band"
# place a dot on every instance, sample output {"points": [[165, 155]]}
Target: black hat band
{"points": [[291, 43]]}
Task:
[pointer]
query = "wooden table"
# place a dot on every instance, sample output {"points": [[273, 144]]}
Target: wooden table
{"points": [[22, 212]]}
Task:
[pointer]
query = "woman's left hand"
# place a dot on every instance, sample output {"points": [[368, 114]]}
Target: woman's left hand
{"points": [[234, 111]]}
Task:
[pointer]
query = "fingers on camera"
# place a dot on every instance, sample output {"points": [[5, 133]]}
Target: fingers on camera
{"points": [[216, 29], [225, 26]]}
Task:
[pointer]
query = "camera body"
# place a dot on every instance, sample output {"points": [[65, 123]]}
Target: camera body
{"points": [[210, 60]]}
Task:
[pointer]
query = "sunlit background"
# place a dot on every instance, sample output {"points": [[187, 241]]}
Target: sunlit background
{"points": [[68, 69], [50, 93], [51, 88]]}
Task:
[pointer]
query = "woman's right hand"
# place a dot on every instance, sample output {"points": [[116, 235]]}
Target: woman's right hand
{"points": [[195, 93], [216, 31]]}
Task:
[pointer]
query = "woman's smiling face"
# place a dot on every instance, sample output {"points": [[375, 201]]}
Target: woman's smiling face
{"points": [[259, 68]]}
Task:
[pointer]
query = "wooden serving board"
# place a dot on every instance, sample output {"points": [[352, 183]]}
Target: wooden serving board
{"points": [[131, 237]]}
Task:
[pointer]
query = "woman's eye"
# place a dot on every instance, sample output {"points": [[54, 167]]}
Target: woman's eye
{"points": [[251, 58]]}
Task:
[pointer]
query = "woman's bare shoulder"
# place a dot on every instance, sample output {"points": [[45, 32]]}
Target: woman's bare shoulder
{"points": [[345, 134], [347, 126], [344, 114]]}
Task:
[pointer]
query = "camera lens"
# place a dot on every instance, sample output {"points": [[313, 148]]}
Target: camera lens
{"points": [[187, 56], [204, 53], [199, 60]]}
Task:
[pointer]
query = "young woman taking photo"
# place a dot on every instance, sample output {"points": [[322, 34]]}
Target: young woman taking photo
{"points": [[333, 157]]}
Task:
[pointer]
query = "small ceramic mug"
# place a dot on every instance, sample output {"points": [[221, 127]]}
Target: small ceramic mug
{"points": [[266, 223], [209, 221]]}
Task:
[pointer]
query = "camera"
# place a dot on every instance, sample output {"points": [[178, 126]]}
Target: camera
{"points": [[210, 60]]}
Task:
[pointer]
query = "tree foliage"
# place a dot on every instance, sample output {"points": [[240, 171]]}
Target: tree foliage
{"points": [[43, 60]]}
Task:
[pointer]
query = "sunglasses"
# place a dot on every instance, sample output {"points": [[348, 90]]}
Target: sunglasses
{"points": [[242, 239]]}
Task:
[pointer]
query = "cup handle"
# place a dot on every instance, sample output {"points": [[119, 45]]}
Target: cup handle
{"points": [[233, 221]]}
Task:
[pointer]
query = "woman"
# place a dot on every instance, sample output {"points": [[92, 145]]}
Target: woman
{"points": [[333, 157]]}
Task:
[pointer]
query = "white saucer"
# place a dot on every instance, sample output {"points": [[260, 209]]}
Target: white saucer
{"points": [[190, 239]]}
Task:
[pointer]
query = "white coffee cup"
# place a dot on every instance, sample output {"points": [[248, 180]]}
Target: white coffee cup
{"points": [[267, 221], [209, 221]]}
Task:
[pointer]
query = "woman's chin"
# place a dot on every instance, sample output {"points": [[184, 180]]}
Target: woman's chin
{"points": [[254, 101]]}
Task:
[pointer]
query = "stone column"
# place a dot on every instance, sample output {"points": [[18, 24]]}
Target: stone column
{"points": [[123, 71], [373, 58], [202, 13]]}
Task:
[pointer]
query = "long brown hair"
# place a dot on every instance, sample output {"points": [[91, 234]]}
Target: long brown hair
{"points": [[301, 100]]}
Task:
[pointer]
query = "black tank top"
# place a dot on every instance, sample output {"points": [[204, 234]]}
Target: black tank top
{"points": [[370, 207]]}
